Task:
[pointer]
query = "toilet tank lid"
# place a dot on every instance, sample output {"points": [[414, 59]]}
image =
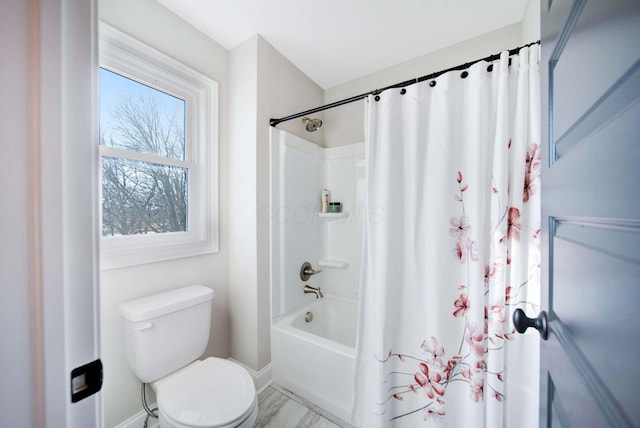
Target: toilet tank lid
{"points": [[166, 302]]}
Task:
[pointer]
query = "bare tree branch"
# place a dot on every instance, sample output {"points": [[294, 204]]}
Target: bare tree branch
{"points": [[141, 197]]}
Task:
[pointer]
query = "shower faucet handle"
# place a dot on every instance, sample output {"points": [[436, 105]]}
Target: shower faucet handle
{"points": [[306, 271]]}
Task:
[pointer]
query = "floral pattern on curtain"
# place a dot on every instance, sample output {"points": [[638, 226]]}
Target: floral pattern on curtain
{"points": [[452, 230]]}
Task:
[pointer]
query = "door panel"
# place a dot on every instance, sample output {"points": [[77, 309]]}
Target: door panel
{"points": [[571, 406], [591, 215], [595, 311], [583, 84]]}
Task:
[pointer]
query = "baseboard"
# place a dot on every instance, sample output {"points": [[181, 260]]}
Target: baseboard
{"points": [[137, 421], [262, 379]]}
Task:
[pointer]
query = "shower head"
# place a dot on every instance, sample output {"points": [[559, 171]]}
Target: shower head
{"points": [[312, 124]]}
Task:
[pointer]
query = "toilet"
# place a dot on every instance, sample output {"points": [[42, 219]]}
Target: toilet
{"points": [[165, 334]]}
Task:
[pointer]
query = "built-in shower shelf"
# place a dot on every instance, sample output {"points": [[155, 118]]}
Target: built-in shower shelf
{"points": [[333, 263], [334, 216]]}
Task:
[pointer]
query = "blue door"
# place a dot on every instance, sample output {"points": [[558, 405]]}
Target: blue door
{"points": [[590, 362]]}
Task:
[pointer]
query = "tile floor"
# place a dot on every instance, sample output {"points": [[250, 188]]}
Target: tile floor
{"points": [[279, 408]]}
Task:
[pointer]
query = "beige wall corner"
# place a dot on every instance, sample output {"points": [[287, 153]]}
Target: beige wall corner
{"points": [[531, 22], [263, 85]]}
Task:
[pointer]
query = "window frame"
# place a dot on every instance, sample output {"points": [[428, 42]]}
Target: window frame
{"points": [[135, 60]]}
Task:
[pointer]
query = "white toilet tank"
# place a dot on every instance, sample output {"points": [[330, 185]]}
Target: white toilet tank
{"points": [[164, 332]]}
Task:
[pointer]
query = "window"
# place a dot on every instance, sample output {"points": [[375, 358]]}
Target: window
{"points": [[158, 155]]}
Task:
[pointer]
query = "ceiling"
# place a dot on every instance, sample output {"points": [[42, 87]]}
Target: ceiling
{"points": [[335, 41]]}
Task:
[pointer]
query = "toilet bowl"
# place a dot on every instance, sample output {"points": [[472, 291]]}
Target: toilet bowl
{"points": [[212, 393], [164, 335]]}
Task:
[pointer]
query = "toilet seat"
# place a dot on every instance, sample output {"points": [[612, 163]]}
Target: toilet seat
{"points": [[212, 393]]}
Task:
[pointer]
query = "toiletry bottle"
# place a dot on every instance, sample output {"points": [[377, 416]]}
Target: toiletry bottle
{"points": [[325, 200]]}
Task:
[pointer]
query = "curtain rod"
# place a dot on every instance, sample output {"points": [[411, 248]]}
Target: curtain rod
{"points": [[275, 122]]}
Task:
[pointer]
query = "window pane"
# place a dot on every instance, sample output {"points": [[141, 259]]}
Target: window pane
{"points": [[142, 197], [139, 118]]}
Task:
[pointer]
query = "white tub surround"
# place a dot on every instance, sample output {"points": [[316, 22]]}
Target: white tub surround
{"points": [[295, 204], [340, 234], [301, 232]]}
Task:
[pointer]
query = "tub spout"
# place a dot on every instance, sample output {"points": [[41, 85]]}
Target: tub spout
{"points": [[315, 290]]}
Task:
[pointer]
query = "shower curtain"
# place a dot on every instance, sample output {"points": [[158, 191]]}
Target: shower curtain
{"points": [[451, 249]]}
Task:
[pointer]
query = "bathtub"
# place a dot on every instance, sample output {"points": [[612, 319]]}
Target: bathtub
{"points": [[316, 359]]}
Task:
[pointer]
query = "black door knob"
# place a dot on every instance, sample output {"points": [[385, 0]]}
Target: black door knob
{"points": [[521, 322]]}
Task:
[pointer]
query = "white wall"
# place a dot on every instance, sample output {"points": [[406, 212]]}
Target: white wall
{"points": [[151, 23], [285, 90], [15, 357], [345, 124], [531, 22], [242, 203], [264, 85]]}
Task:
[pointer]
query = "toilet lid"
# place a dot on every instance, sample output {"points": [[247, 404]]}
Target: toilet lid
{"points": [[209, 393]]}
